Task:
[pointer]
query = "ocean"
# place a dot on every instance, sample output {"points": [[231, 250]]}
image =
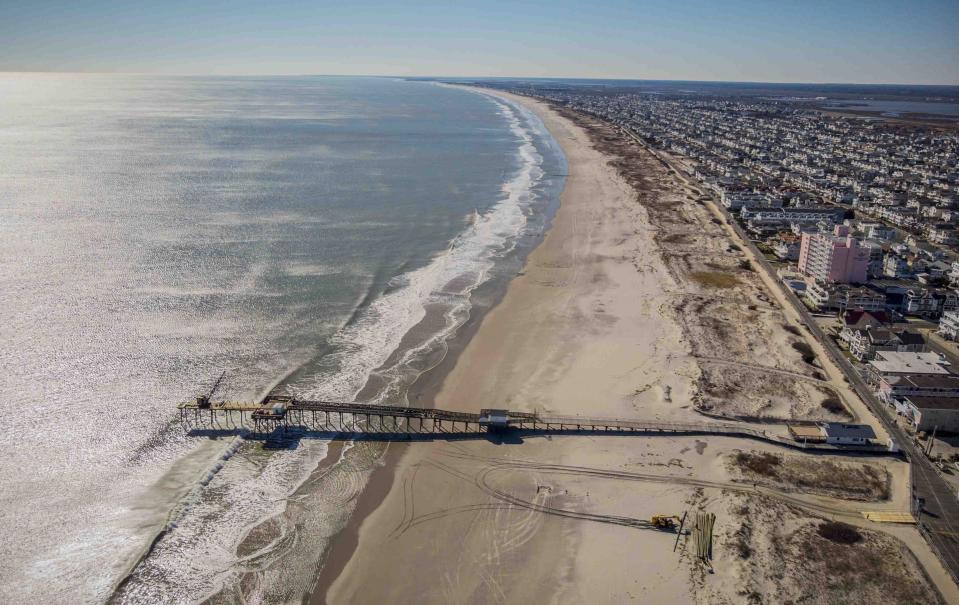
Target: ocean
{"points": [[319, 236]]}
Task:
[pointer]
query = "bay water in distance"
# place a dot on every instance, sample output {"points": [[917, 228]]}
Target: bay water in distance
{"points": [[319, 236]]}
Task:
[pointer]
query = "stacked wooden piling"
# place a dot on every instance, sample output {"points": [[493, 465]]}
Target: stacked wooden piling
{"points": [[703, 532]]}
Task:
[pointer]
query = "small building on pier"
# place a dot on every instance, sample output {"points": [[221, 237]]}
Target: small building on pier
{"points": [[494, 419]]}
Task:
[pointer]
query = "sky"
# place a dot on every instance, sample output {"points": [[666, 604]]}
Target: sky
{"points": [[878, 41]]}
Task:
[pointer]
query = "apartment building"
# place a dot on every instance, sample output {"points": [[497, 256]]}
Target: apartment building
{"points": [[737, 200], [834, 258]]}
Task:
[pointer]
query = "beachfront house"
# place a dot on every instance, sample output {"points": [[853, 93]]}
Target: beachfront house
{"points": [[838, 433], [829, 296], [897, 388], [927, 413], [865, 343], [888, 364]]}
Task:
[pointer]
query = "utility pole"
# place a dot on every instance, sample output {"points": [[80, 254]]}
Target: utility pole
{"points": [[932, 441]]}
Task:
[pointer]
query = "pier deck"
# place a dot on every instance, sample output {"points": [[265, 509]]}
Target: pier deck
{"points": [[283, 412]]}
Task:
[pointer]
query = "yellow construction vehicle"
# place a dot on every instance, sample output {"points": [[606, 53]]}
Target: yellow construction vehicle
{"points": [[664, 521]]}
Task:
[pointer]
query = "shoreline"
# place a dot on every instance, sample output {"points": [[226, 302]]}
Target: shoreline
{"points": [[423, 391], [347, 539]]}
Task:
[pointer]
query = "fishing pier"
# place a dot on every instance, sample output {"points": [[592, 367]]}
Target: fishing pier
{"points": [[280, 413]]}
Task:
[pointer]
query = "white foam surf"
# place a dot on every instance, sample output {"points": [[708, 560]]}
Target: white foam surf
{"points": [[368, 343], [235, 496]]}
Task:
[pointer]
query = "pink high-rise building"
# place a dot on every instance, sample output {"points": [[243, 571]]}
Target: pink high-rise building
{"points": [[835, 257]]}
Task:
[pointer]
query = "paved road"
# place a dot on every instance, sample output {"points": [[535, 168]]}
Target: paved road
{"points": [[938, 520]]}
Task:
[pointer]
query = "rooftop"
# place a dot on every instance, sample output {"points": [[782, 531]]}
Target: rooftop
{"points": [[907, 337], [805, 432], [934, 403], [860, 318], [838, 429], [894, 362], [926, 381]]}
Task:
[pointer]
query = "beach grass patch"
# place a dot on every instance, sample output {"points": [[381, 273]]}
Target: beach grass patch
{"points": [[715, 279], [856, 481], [839, 532], [834, 405], [676, 238], [808, 355], [760, 463]]}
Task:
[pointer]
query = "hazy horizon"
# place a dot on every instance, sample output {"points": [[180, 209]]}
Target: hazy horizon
{"points": [[881, 42], [443, 77]]}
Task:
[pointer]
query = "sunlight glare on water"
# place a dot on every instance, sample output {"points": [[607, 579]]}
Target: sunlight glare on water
{"points": [[156, 231]]}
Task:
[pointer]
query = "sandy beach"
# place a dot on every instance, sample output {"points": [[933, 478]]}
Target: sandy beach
{"points": [[604, 322]]}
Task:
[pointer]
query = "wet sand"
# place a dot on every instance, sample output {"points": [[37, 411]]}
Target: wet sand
{"points": [[344, 544]]}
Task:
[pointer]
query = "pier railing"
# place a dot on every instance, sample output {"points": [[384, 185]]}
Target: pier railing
{"points": [[352, 419]]}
